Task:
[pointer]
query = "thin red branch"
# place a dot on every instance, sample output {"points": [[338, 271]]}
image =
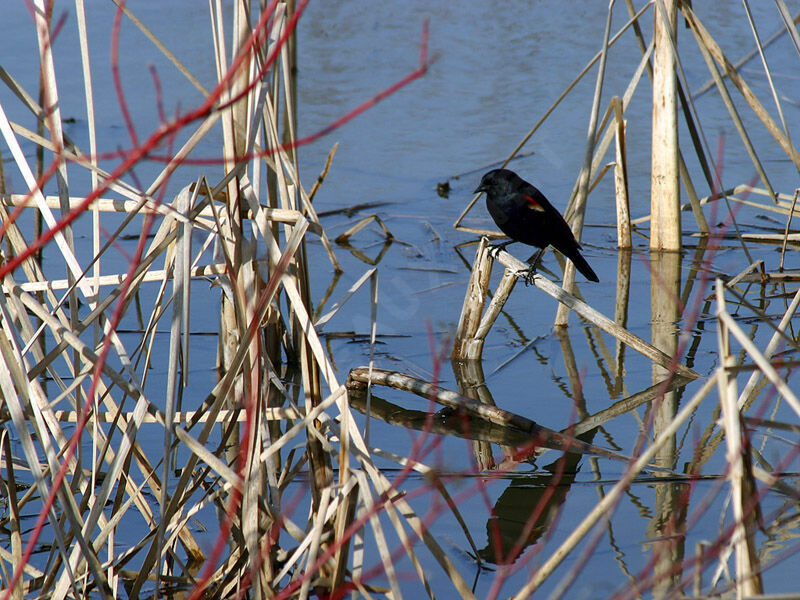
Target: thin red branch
{"points": [[123, 104]]}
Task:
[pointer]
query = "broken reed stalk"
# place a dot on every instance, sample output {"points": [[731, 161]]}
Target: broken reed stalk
{"points": [[492, 414], [665, 224], [117, 483], [705, 40], [470, 320], [353, 229], [231, 227], [690, 122], [605, 507], [743, 490], [466, 346], [782, 206], [621, 179], [578, 205], [776, 35]]}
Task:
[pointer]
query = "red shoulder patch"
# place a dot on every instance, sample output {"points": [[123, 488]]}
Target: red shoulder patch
{"points": [[533, 204]]}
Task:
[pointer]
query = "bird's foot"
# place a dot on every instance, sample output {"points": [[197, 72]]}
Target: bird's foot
{"points": [[528, 274], [536, 259], [495, 249]]}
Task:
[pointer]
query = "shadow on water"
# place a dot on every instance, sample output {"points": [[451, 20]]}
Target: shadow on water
{"points": [[524, 510], [528, 504], [528, 507]]}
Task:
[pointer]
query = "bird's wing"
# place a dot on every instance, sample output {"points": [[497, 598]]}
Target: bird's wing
{"points": [[532, 203], [534, 199], [561, 233]]}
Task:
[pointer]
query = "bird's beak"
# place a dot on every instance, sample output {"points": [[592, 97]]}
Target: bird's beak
{"points": [[478, 189]]}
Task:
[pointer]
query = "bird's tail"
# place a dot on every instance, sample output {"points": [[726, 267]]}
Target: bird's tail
{"points": [[583, 266]]}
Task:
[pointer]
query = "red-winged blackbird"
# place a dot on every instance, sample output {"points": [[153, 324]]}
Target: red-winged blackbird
{"points": [[524, 214]]}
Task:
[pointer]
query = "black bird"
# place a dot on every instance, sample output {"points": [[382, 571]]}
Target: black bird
{"points": [[525, 215]]}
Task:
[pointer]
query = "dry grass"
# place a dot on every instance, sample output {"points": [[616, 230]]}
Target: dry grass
{"points": [[120, 516], [270, 452]]}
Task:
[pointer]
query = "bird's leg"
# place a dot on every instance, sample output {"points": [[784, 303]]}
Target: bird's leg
{"points": [[495, 249], [530, 272], [536, 259]]}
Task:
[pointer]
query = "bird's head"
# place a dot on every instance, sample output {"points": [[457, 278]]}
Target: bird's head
{"points": [[497, 181]]}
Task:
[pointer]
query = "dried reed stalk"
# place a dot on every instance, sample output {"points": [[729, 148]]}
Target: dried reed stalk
{"points": [[743, 492], [705, 40], [466, 346], [609, 501], [474, 407], [578, 203], [474, 300], [621, 179], [260, 270]]}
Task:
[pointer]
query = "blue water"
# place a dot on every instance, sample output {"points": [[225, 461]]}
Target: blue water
{"points": [[497, 69]]}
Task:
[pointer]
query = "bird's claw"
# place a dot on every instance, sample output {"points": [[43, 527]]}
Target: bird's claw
{"points": [[528, 275], [495, 250]]}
